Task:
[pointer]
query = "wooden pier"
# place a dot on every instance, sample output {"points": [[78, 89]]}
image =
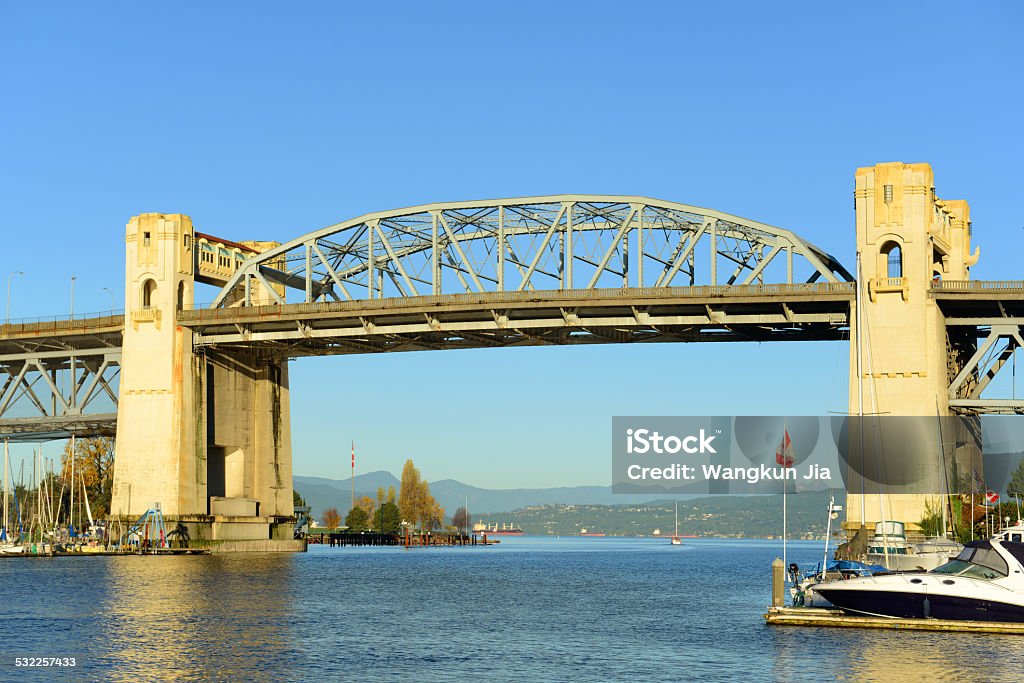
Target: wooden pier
{"points": [[835, 618], [343, 539]]}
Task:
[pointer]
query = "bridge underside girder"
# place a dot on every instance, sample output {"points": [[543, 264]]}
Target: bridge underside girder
{"points": [[49, 428], [991, 315], [754, 313], [59, 378]]}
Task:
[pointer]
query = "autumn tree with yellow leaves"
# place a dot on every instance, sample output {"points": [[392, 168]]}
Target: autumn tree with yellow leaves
{"points": [[94, 464], [418, 507]]}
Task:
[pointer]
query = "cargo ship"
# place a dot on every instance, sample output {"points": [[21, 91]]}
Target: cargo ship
{"points": [[495, 530], [584, 532]]}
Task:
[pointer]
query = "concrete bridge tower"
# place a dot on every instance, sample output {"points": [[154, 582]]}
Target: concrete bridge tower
{"points": [[906, 238], [205, 435]]}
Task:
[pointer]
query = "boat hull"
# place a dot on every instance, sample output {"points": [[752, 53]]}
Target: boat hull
{"points": [[913, 605]]}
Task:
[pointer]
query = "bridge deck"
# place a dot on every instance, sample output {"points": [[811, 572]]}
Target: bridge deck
{"points": [[979, 302], [59, 336], [725, 313]]}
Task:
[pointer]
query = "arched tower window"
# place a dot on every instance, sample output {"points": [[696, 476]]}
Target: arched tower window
{"points": [[148, 293], [181, 296], [893, 259]]}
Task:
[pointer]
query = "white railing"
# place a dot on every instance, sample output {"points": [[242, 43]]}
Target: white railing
{"points": [[977, 285]]}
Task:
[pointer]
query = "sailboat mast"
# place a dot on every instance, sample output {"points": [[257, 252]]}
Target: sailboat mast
{"points": [[860, 385], [7, 478], [828, 534], [85, 497], [71, 507], [945, 474]]}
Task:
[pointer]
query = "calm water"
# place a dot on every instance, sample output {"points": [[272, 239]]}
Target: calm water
{"points": [[579, 609]]}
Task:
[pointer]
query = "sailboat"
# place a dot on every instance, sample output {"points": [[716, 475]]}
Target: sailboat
{"points": [[676, 540]]}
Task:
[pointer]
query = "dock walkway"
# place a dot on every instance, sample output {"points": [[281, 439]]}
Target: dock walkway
{"points": [[835, 618]]}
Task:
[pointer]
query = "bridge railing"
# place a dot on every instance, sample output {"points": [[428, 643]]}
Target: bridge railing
{"points": [[582, 295], [58, 324], [977, 285]]}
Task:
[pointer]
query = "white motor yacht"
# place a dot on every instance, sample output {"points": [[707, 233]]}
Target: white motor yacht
{"points": [[984, 583]]}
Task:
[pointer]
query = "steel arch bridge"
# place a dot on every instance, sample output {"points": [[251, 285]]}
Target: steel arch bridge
{"points": [[539, 270], [561, 242]]}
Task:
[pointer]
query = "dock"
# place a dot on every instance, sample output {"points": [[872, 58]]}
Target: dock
{"points": [[104, 552], [836, 618], [343, 539]]}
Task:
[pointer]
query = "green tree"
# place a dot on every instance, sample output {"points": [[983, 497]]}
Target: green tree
{"points": [[357, 519], [931, 522], [1015, 488], [391, 518], [297, 500]]}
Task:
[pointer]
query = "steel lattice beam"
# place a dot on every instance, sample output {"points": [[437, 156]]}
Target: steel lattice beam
{"points": [[530, 244], [60, 378], [998, 347]]}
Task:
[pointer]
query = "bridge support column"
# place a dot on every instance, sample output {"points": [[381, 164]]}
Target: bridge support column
{"points": [[902, 358], [247, 434], [155, 459], [205, 435]]}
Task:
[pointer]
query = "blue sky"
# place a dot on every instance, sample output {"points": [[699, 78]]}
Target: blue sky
{"points": [[265, 121]]}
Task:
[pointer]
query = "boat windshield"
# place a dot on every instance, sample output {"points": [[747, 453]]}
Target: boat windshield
{"points": [[977, 563]]}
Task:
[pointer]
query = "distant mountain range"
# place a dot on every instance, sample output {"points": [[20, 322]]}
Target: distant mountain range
{"points": [[321, 493]]}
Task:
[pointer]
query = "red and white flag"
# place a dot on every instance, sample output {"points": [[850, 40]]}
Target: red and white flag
{"points": [[353, 455], [992, 496], [784, 453]]}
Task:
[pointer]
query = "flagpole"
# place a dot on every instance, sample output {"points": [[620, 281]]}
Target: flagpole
{"points": [[784, 487], [781, 458], [353, 475]]}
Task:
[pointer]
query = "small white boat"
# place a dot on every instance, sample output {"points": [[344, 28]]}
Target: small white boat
{"points": [[676, 540], [889, 548]]}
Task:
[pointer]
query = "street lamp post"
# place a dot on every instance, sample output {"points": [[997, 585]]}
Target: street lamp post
{"points": [[113, 301], [73, 278], [9, 278]]}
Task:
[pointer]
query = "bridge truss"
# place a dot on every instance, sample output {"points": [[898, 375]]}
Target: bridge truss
{"points": [[60, 378], [564, 242], [541, 270], [989, 315]]}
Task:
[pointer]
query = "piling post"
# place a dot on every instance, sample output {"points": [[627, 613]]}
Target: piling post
{"points": [[778, 582]]}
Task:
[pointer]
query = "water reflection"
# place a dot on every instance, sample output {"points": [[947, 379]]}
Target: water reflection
{"points": [[847, 654], [207, 618]]}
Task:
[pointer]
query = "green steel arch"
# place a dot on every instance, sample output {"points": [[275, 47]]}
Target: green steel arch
{"points": [[560, 242]]}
